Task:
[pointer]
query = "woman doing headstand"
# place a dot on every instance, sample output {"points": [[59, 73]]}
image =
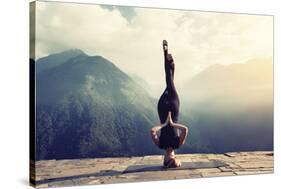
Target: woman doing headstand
{"points": [[168, 111]]}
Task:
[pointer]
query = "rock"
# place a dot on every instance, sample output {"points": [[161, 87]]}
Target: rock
{"points": [[54, 173]]}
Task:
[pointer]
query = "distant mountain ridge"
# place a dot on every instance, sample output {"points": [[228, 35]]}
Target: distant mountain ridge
{"points": [[56, 59], [231, 106], [226, 79]]}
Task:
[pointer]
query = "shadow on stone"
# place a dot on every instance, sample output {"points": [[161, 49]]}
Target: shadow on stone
{"points": [[138, 168], [98, 174], [185, 165]]}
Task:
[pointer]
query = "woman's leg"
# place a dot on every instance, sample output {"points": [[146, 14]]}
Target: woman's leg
{"points": [[169, 100], [171, 89], [163, 107], [169, 73]]}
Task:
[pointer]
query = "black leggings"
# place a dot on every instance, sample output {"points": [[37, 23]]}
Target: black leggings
{"points": [[169, 102]]}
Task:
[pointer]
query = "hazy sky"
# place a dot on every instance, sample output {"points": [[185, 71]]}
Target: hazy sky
{"points": [[132, 37]]}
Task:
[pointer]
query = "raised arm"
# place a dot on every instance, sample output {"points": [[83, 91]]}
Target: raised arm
{"points": [[183, 133], [154, 135], [157, 128]]}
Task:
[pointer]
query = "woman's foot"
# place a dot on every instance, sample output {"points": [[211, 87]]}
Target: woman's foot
{"points": [[165, 47], [169, 62]]}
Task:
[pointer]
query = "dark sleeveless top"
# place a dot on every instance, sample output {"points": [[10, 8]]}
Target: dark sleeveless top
{"points": [[168, 137]]}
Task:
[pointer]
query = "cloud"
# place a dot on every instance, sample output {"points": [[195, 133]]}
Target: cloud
{"points": [[126, 11], [196, 39]]}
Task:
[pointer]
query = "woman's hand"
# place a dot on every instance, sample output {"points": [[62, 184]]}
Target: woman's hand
{"points": [[178, 162], [183, 133], [168, 120], [154, 136]]}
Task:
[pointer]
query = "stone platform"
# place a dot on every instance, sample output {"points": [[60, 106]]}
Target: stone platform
{"points": [[54, 173]]}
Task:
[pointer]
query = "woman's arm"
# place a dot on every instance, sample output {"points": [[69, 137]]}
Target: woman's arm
{"points": [[157, 128], [154, 136], [183, 134]]}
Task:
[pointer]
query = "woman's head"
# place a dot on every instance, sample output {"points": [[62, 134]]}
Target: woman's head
{"points": [[169, 150], [168, 138]]}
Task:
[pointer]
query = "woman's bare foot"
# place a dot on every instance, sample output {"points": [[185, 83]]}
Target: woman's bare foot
{"points": [[165, 47]]}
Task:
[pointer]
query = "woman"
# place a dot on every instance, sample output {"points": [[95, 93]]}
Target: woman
{"points": [[168, 111]]}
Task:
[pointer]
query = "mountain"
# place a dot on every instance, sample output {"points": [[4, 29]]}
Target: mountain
{"points": [[228, 81], [87, 107], [57, 59], [231, 106], [152, 91]]}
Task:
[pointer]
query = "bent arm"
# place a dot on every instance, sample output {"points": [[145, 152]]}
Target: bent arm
{"points": [[154, 136], [183, 134]]}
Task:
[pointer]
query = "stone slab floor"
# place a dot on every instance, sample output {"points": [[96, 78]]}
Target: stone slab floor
{"points": [[54, 173]]}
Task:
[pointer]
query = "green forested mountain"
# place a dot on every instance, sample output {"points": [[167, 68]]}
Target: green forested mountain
{"points": [[87, 107]]}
